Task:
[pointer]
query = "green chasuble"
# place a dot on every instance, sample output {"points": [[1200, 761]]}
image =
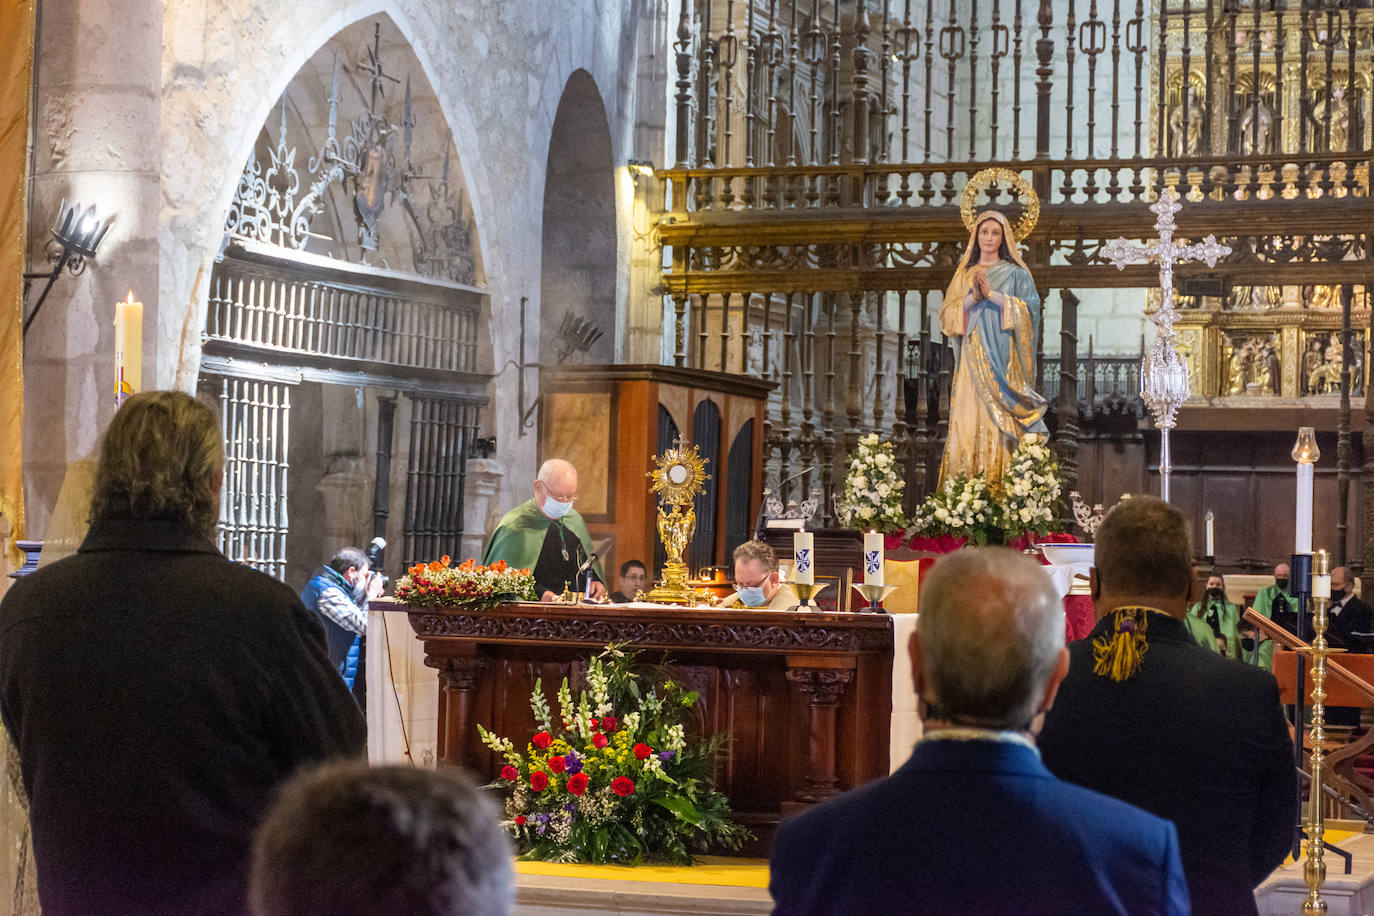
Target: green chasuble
{"points": [[519, 538], [1227, 617], [1264, 603]]}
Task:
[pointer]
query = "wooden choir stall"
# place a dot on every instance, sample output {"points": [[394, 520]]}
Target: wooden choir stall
{"points": [[804, 698]]}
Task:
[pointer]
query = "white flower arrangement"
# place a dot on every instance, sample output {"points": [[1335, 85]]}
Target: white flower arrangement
{"points": [[1029, 498], [961, 508], [873, 489], [1024, 500]]}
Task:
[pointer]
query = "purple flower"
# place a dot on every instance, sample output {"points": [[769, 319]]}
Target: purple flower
{"points": [[543, 818], [570, 808], [541, 829], [665, 756], [573, 761]]}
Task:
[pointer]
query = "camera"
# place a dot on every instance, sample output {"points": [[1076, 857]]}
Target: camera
{"points": [[375, 557]]}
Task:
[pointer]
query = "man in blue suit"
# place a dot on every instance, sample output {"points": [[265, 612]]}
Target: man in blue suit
{"points": [[973, 822]]}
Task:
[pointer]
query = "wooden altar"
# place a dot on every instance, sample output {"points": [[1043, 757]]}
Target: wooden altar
{"points": [[805, 698]]}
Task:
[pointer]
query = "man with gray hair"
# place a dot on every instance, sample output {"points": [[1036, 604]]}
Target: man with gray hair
{"points": [[973, 822], [545, 535]]}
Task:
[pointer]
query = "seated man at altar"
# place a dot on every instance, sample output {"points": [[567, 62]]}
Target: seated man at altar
{"points": [[758, 581], [1149, 716], [634, 576], [545, 535], [973, 822]]}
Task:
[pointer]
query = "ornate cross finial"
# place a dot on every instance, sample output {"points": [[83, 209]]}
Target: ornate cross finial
{"points": [[1163, 376]]}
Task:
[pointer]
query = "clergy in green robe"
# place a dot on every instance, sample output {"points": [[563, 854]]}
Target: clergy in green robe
{"points": [[1271, 600], [546, 535], [1213, 620]]}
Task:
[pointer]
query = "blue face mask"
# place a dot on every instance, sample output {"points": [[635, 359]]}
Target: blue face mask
{"points": [[752, 596], [556, 508]]}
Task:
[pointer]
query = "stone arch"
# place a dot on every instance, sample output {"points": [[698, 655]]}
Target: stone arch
{"points": [[579, 245]]}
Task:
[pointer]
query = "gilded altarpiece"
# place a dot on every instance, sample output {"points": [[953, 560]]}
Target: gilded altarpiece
{"points": [[1272, 342]]}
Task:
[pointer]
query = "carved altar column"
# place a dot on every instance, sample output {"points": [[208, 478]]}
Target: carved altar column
{"points": [[459, 678], [822, 688]]}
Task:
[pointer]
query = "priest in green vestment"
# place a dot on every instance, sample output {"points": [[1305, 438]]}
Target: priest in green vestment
{"points": [[1273, 600], [545, 535]]}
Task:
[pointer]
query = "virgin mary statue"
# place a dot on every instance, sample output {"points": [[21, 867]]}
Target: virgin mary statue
{"points": [[990, 313]]}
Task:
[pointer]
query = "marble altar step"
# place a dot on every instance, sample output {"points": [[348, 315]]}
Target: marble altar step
{"points": [[1283, 892], [721, 887]]}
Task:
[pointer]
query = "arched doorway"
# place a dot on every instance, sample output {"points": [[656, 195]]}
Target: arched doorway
{"points": [[577, 288]]}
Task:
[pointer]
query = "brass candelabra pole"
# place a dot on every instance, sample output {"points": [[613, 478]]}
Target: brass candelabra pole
{"points": [[1314, 868]]}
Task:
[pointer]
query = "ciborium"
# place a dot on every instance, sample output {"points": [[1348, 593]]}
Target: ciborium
{"points": [[679, 477]]}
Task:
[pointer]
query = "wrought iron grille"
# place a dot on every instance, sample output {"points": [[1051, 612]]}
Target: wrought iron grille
{"points": [[255, 419], [264, 306], [441, 433]]}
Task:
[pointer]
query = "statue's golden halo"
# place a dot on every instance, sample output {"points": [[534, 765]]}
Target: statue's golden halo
{"points": [[981, 181]]}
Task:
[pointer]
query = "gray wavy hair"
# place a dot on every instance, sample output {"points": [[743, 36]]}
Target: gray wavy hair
{"points": [[162, 457], [991, 627]]}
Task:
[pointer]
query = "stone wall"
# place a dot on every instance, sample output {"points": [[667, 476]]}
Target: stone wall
{"points": [[153, 108]]}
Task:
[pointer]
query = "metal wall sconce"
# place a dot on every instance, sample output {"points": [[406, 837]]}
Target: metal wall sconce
{"points": [[76, 235], [640, 168]]}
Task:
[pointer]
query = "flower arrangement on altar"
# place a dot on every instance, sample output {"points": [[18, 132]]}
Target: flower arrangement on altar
{"points": [[872, 496], [439, 583], [971, 510], [614, 778]]}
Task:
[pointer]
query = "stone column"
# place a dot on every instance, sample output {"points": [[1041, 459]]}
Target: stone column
{"points": [[483, 509], [98, 112]]}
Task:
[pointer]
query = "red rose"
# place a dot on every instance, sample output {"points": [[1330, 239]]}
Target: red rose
{"points": [[542, 740], [558, 764], [577, 783], [623, 785], [520, 820], [539, 780], [610, 723], [510, 772], [642, 750], [596, 723], [599, 741]]}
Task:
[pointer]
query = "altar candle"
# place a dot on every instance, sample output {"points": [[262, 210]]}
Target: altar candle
{"points": [[128, 348], [1305, 453], [1211, 551], [873, 558], [803, 558], [1302, 541]]}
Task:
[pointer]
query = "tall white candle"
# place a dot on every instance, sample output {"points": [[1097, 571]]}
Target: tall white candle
{"points": [[873, 558], [1211, 547], [803, 558], [128, 348], [1302, 541]]}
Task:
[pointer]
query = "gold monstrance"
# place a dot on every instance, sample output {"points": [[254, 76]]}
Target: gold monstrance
{"points": [[679, 477]]}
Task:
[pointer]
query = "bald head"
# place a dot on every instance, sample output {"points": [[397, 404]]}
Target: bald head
{"points": [[988, 661], [555, 487]]}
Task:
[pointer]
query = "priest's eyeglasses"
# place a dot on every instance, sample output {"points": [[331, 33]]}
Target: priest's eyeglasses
{"points": [[740, 583]]}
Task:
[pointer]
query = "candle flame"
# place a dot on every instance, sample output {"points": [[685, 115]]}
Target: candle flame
{"points": [[130, 300]]}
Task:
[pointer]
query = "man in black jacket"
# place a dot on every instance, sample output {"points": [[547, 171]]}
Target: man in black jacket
{"points": [[156, 692], [1349, 615], [1149, 716]]}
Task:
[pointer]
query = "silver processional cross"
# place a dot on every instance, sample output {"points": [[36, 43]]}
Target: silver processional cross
{"points": [[1163, 376]]}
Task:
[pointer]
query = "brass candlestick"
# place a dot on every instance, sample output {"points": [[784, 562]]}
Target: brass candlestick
{"points": [[874, 595], [806, 591], [1314, 868]]}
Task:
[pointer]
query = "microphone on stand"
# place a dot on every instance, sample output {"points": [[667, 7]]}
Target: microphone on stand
{"points": [[763, 505], [586, 568]]}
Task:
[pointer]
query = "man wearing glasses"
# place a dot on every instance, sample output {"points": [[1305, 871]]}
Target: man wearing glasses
{"points": [[546, 536], [758, 584]]}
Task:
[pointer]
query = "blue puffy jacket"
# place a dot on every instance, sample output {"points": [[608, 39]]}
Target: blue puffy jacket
{"points": [[344, 645]]}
